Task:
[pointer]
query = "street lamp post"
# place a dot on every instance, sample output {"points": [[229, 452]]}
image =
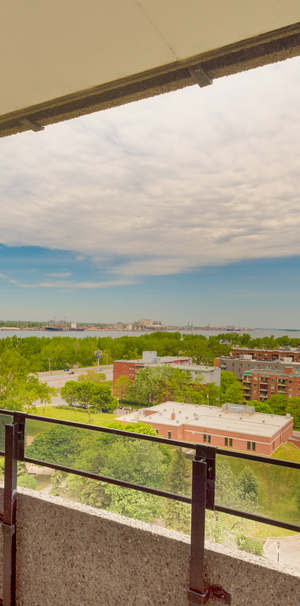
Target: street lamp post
{"points": [[49, 362]]}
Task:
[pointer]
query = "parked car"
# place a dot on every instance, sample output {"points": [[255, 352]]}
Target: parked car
{"points": [[128, 408], [66, 370], [72, 372]]}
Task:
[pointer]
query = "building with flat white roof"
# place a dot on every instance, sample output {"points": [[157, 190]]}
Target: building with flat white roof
{"points": [[234, 425], [129, 368]]}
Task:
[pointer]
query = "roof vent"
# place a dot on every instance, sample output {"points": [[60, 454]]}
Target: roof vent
{"points": [[241, 418], [264, 420], [186, 417], [220, 415]]}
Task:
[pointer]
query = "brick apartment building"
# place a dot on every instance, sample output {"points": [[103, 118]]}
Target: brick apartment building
{"points": [[239, 365], [129, 368], [284, 354], [260, 384], [233, 426]]}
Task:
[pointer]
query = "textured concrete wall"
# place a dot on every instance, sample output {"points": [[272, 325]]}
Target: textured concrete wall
{"points": [[70, 554]]}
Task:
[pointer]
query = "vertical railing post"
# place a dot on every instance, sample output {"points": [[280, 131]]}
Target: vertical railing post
{"points": [[203, 497], [14, 450], [196, 592]]}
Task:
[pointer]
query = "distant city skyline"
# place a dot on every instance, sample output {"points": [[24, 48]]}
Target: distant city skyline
{"points": [[183, 207]]}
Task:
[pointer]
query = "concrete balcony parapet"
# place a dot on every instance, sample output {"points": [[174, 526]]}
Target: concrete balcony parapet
{"points": [[72, 554]]}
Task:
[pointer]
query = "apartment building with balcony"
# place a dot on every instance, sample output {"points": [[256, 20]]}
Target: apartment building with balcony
{"points": [[283, 354], [245, 362], [259, 384]]}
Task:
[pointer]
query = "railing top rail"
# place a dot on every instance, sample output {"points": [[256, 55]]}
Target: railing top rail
{"points": [[258, 458], [99, 428], [159, 440]]}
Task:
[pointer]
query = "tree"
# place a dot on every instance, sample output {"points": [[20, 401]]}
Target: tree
{"points": [[261, 407], [89, 395], [177, 515], [124, 458], [92, 375], [180, 474], [248, 484], [293, 408], [69, 392], [122, 387], [19, 390], [27, 481], [277, 403], [60, 445], [56, 479], [231, 388]]}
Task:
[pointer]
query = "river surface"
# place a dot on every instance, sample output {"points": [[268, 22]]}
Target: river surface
{"points": [[257, 333]]}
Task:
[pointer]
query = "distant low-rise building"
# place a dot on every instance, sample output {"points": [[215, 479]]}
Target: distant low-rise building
{"points": [[260, 384], [233, 426]]}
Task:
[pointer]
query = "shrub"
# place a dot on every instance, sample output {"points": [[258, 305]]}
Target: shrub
{"points": [[250, 545], [27, 482]]}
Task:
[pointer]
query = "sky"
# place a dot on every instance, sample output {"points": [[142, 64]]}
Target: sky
{"points": [[184, 207]]}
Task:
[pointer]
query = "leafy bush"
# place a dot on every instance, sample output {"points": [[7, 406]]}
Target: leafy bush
{"points": [[250, 545], [27, 482]]}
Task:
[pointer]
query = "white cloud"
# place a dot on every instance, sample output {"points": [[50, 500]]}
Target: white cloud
{"points": [[162, 186], [62, 274], [70, 284]]}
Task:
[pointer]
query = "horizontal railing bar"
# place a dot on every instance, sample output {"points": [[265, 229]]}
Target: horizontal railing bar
{"points": [[257, 458], [118, 432], [257, 518], [124, 484]]}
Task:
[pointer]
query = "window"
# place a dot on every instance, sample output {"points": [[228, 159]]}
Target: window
{"points": [[169, 435], [230, 441], [248, 445], [226, 441], [253, 445], [204, 437], [209, 439]]}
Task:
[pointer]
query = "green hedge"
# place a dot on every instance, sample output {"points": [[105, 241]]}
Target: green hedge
{"points": [[250, 545]]}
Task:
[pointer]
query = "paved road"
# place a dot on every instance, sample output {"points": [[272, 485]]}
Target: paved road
{"points": [[58, 378], [289, 550]]}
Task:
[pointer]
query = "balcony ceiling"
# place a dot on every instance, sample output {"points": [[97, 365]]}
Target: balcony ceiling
{"points": [[59, 60]]}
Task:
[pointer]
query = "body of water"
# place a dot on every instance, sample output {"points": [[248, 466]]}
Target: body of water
{"points": [[257, 333]]}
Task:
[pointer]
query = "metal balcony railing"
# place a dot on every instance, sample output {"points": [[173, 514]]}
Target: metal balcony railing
{"points": [[203, 496]]}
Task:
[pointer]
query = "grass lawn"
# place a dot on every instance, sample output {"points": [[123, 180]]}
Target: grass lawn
{"points": [[287, 452], [278, 489], [33, 428]]}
